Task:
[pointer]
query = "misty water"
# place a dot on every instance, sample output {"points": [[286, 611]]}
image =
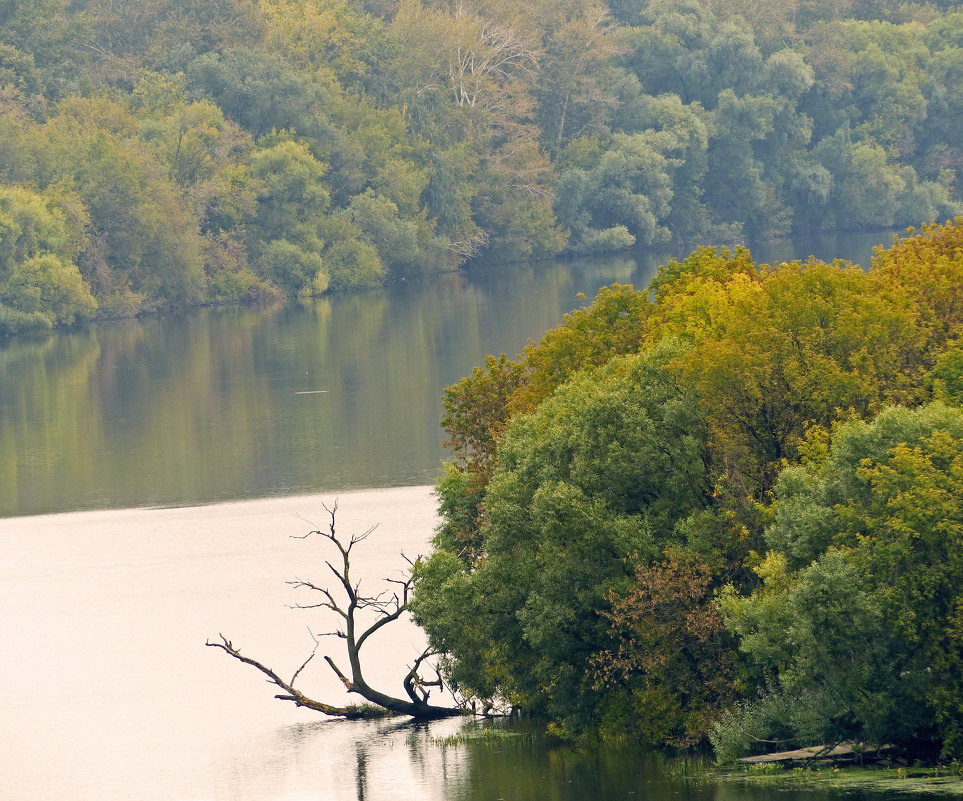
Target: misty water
{"points": [[241, 422]]}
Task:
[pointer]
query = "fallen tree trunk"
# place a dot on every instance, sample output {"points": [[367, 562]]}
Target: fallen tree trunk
{"points": [[387, 610], [291, 694], [834, 753]]}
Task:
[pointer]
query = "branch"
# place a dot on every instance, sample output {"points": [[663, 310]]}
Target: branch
{"points": [[344, 679], [387, 609], [382, 621], [304, 664], [413, 683], [330, 603], [291, 694]]}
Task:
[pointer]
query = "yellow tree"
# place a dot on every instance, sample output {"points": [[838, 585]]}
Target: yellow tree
{"points": [[796, 345]]}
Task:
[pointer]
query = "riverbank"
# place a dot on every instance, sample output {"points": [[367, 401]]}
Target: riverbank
{"points": [[945, 781]]}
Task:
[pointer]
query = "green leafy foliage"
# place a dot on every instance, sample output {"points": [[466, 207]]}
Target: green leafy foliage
{"points": [[599, 473], [40, 282], [862, 640], [673, 668], [627, 190], [448, 133], [729, 435]]}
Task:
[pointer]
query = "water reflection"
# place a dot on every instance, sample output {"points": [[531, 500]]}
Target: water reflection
{"points": [[232, 403], [347, 761], [342, 392], [486, 761], [458, 761]]}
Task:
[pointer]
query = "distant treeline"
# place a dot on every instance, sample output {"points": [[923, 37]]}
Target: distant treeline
{"points": [[726, 509], [168, 153]]}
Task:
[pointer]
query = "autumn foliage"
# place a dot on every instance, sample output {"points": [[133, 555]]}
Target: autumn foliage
{"points": [[724, 507]]}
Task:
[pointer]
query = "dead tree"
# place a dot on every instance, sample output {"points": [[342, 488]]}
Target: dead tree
{"points": [[387, 609]]}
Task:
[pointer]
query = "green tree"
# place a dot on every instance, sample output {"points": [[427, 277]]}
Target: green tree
{"points": [[946, 378], [259, 91], [778, 349], [929, 264], [285, 234], [144, 246], [575, 91], [736, 188], [165, 33], [624, 198], [681, 133], [327, 34], [513, 205], [865, 185], [862, 641], [40, 283], [464, 72], [42, 51], [674, 666], [596, 477], [556, 517]]}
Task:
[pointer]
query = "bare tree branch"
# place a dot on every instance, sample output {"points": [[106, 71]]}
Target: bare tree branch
{"points": [[291, 694], [387, 609], [304, 664]]}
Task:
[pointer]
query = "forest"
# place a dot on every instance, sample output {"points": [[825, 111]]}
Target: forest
{"points": [[163, 154], [727, 509]]}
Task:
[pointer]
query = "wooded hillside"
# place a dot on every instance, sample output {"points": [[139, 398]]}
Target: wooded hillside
{"points": [[167, 153]]}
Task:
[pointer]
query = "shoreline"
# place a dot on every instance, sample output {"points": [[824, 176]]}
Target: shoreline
{"points": [[946, 781]]}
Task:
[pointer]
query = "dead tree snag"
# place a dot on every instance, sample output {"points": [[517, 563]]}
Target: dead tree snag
{"points": [[345, 603]]}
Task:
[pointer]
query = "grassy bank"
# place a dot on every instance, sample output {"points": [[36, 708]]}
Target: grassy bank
{"points": [[945, 780]]}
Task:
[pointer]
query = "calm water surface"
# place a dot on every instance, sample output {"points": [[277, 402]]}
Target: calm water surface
{"points": [[106, 690], [246, 403]]}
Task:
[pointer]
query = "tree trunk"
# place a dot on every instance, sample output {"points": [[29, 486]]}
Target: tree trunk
{"points": [[388, 610]]}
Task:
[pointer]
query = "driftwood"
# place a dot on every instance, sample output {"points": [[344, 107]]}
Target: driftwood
{"points": [[387, 610], [820, 754]]}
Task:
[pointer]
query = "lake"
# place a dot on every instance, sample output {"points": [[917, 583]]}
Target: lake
{"points": [[237, 424], [341, 392], [109, 693]]}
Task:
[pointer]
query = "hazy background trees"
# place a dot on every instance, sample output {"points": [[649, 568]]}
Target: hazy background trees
{"points": [[444, 132]]}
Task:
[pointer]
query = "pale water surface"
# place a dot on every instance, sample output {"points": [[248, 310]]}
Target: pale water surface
{"points": [[106, 689], [109, 693]]}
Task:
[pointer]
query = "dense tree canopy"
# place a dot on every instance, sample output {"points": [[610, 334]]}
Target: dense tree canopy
{"points": [[599, 473], [727, 507], [857, 624], [442, 132], [40, 283]]}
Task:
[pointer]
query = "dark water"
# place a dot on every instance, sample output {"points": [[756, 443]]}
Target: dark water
{"points": [[519, 767], [342, 392]]}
